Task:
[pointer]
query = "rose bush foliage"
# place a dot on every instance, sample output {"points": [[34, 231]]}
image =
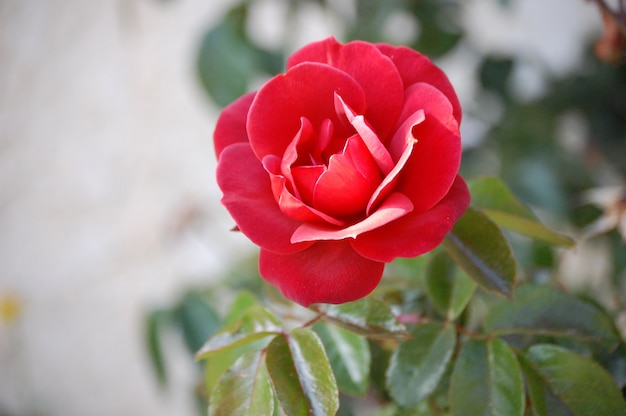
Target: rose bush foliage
{"points": [[343, 163]]}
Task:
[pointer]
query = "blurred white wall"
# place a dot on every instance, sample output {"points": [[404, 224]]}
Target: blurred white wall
{"points": [[108, 203]]}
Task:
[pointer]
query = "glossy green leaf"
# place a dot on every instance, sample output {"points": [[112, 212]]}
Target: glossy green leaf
{"points": [[349, 356], [496, 200], [366, 317], [284, 376], [486, 381], [478, 246], [198, 320], [255, 325], [581, 385], [418, 364], [542, 310], [154, 327], [301, 374], [244, 390], [449, 288], [217, 362]]}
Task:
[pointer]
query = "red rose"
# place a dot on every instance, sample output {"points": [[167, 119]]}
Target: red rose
{"points": [[345, 162]]}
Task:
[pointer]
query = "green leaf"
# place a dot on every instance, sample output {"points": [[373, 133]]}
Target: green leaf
{"points": [[198, 320], [255, 325], [496, 200], [543, 402], [349, 356], [486, 381], [542, 310], [244, 390], [228, 61], [154, 326], [366, 317], [578, 384], [478, 246], [450, 288], [301, 374], [417, 365], [217, 362]]}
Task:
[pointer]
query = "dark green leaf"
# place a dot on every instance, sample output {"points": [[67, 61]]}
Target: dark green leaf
{"points": [[228, 60], [543, 402], [417, 365], [366, 317], [198, 320], [480, 249], [154, 327], [301, 374], [244, 390], [449, 288], [349, 356], [284, 376], [496, 200], [254, 326], [494, 74], [580, 384], [541, 310], [486, 381]]}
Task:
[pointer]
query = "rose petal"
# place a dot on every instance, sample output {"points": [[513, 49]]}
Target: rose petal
{"points": [[402, 145], [432, 167], [348, 182], [305, 178], [374, 71], [370, 138], [289, 204], [415, 67], [231, 125], [291, 152], [394, 207], [415, 233], [249, 200], [306, 90], [422, 96], [328, 272]]}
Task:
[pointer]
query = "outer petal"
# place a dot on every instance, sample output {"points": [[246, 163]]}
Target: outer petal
{"points": [[249, 200], [415, 67], [306, 90], [231, 125], [416, 233], [328, 272], [374, 71]]}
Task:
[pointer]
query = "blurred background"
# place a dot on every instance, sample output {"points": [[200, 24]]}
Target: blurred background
{"points": [[108, 204]]}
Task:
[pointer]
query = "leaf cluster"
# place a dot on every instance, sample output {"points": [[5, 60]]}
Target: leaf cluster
{"points": [[448, 334]]}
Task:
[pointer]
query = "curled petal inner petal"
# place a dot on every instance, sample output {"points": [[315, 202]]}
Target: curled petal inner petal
{"points": [[347, 184], [394, 207], [371, 140], [402, 144]]}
